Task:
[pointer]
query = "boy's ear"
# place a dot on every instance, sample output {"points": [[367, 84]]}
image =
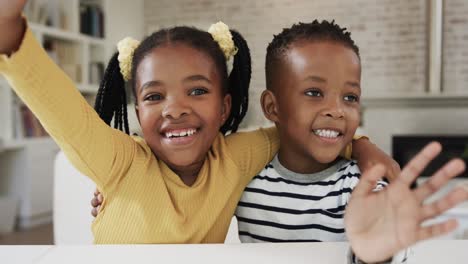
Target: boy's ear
{"points": [[226, 110], [269, 105]]}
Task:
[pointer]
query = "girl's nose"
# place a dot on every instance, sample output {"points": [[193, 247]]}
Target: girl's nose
{"points": [[175, 109]]}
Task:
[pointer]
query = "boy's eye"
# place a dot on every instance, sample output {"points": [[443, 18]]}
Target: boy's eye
{"points": [[313, 93], [351, 98], [153, 97], [198, 91]]}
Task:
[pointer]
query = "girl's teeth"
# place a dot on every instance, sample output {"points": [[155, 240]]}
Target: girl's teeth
{"points": [[181, 134], [326, 133]]}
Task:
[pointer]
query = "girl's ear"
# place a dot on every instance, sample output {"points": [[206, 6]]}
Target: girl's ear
{"points": [[137, 114], [269, 105], [226, 108]]}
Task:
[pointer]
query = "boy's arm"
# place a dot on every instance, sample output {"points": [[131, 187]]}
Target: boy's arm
{"points": [[256, 148], [368, 154]]}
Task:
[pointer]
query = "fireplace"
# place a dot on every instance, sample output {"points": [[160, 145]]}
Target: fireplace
{"points": [[404, 147]]}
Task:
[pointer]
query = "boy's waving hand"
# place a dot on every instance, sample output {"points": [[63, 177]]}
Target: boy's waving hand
{"points": [[379, 224]]}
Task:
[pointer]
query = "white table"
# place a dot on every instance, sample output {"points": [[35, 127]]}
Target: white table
{"points": [[435, 251]]}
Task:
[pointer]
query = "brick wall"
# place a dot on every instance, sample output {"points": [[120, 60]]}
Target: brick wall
{"points": [[455, 73], [390, 33]]}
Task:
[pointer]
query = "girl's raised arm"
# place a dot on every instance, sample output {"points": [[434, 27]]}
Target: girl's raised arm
{"points": [[92, 146]]}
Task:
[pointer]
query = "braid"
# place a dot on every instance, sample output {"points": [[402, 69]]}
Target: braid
{"points": [[111, 102], [238, 84]]}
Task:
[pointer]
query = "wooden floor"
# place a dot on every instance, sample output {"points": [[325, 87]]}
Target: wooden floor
{"points": [[41, 235]]}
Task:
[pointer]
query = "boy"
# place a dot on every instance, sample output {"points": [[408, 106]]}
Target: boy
{"points": [[313, 78]]}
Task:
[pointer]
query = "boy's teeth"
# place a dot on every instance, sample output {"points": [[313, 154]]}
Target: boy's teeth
{"points": [[326, 133]]}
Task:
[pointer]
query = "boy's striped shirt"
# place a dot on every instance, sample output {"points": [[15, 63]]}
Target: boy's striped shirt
{"points": [[279, 205]]}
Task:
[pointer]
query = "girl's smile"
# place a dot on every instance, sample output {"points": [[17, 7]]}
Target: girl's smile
{"points": [[179, 137]]}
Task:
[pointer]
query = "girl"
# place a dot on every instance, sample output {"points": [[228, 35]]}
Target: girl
{"points": [[180, 183]]}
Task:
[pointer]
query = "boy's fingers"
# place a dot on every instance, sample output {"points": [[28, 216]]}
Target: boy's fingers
{"points": [[100, 198], [417, 164], [94, 202], [393, 172], [456, 196], [440, 178], [368, 180], [94, 212], [96, 192], [437, 229]]}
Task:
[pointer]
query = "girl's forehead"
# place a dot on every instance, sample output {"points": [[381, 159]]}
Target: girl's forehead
{"points": [[176, 54], [172, 61], [178, 50]]}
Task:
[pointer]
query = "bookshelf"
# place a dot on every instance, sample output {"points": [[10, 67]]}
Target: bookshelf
{"points": [[82, 55], [27, 153]]}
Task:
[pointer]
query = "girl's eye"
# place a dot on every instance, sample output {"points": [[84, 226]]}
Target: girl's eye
{"points": [[313, 93], [351, 98], [153, 97], [198, 91]]}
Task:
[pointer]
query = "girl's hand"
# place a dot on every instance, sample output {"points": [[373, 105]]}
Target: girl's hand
{"points": [[380, 224], [96, 203], [368, 155], [12, 25], [10, 10]]}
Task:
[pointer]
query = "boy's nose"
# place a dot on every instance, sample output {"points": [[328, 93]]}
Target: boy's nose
{"points": [[334, 110], [335, 114], [174, 109]]}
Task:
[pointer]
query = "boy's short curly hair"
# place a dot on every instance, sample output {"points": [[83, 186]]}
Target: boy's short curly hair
{"points": [[314, 31]]}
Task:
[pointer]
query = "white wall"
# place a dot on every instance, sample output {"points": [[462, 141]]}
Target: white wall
{"points": [[384, 121], [124, 19]]}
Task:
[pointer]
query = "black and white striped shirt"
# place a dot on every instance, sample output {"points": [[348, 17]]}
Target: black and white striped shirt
{"points": [[279, 205]]}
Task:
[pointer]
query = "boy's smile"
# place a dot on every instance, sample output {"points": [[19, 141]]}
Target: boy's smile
{"points": [[316, 103], [180, 105], [330, 135]]}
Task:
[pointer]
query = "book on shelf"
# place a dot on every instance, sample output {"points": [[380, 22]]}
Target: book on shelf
{"points": [[91, 20], [47, 12], [64, 55]]}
